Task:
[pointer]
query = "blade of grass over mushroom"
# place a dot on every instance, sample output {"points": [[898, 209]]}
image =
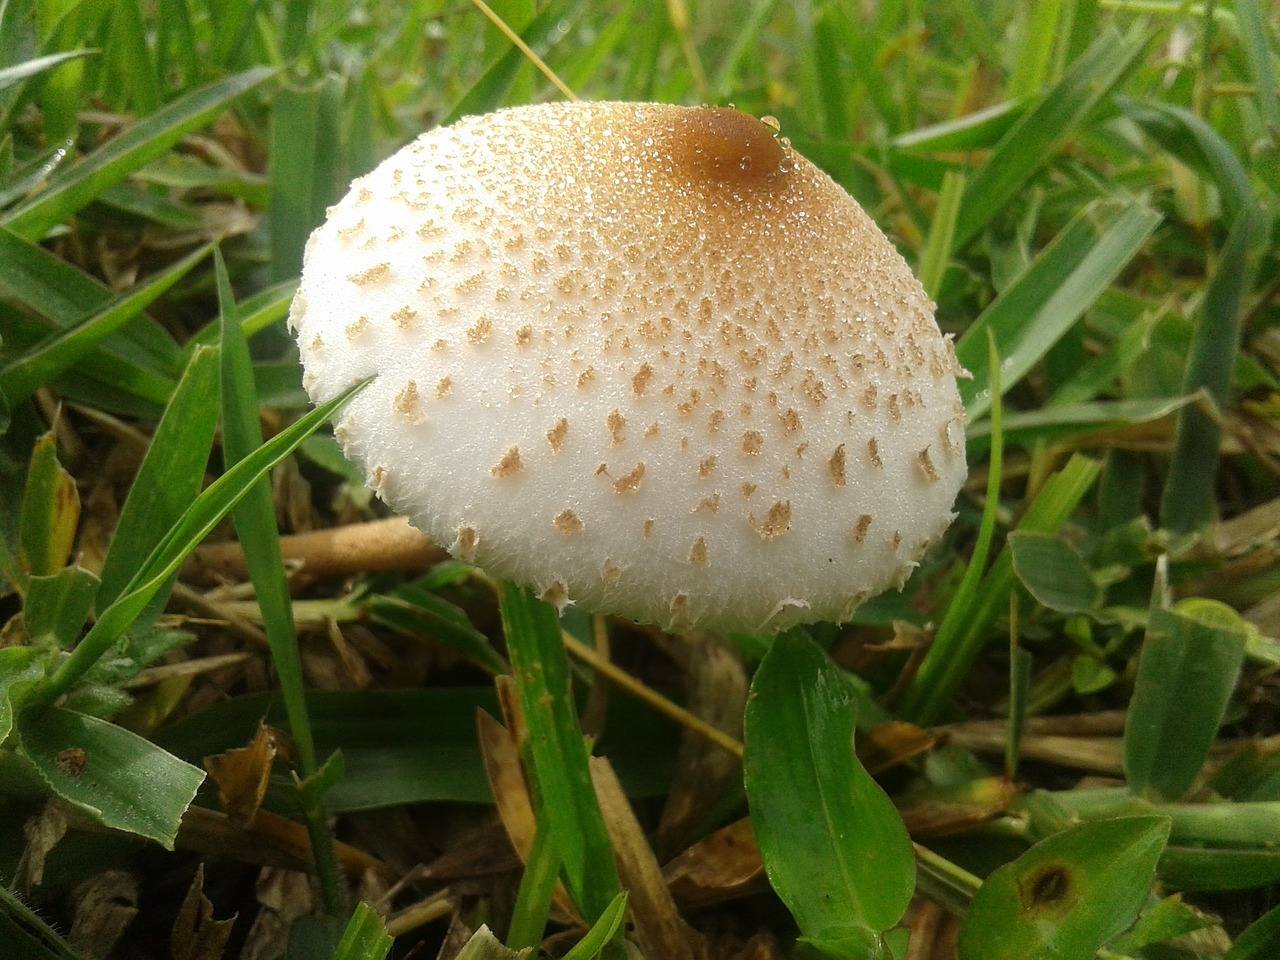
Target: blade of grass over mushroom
{"points": [[1033, 313], [833, 845], [195, 523], [255, 522], [169, 479], [42, 362], [142, 143], [97, 767], [1044, 128], [955, 651], [1188, 493], [1068, 895], [567, 801], [1190, 662]]}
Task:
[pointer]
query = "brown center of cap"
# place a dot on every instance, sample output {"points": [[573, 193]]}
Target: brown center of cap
{"points": [[720, 145]]}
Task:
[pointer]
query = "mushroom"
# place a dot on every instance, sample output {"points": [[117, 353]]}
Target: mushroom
{"points": [[643, 358]]}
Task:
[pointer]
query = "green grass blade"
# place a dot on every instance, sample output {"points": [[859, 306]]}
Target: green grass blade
{"points": [[567, 800], [52, 288], [23, 931], [938, 246], [1068, 895], [1033, 312], [256, 314], [142, 143], [170, 477], [120, 779], [12, 76], [537, 890], [1196, 144], [130, 68], [305, 149], [1254, 33], [1188, 494], [1051, 424], [365, 937], [197, 522], [833, 845], [1260, 941], [602, 931], [44, 361], [1190, 663], [955, 651], [255, 521], [1035, 49], [1043, 129]]}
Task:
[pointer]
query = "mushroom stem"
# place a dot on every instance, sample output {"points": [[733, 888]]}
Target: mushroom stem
{"points": [[390, 544]]}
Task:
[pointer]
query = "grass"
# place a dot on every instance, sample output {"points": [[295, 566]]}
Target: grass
{"points": [[1071, 707]]}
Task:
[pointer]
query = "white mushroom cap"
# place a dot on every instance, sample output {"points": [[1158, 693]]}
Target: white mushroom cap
{"points": [[640, 357]]}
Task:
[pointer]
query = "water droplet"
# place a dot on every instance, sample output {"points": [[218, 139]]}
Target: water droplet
{"points": [[771, 122]]}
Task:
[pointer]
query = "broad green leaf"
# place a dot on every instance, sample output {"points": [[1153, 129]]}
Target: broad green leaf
{"points": [[170, 477], [1042, 130], [20, 667], [195, 523], [57, 606], [1033, 313], [1261, 941], [1068, 895], [1053, 572], [1162, 919], [1190, 662], [366, 936], [118, 778], [43, 361], [567, 800], [135, 148], [50, 512], [833, 845]]}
